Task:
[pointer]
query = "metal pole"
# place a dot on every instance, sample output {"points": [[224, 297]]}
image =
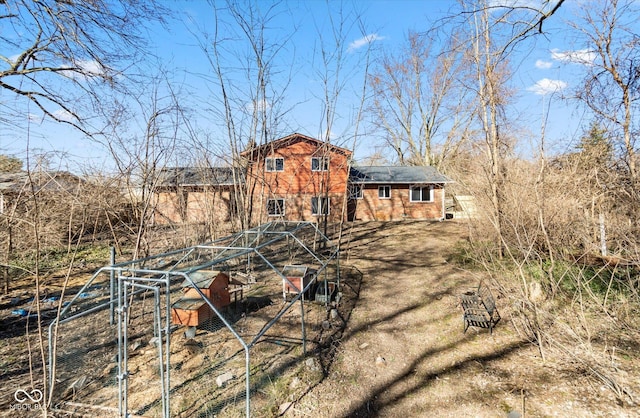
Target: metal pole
{"points": [[125, 351], [304, 334], [120, 368], [112, 284], [51, 362], [168, 342], [157, 332], [247, 368]]}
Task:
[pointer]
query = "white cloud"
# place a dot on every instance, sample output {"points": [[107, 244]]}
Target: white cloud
{"points": [[580, 56], [91, 67], [258, 106], [543, 65], [86, 69], [35, 118], [62, 114], [14, 58], [546, 86], [328, 134], [529, 4], [365, 40]]}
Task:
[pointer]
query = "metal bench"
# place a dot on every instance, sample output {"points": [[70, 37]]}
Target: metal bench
{"points": [[479, 309]]}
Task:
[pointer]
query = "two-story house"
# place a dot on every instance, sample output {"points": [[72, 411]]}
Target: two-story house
{"points": [[300, 178]]}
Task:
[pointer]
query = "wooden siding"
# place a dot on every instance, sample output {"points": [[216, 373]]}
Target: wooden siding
{"points": [[192, 310]]}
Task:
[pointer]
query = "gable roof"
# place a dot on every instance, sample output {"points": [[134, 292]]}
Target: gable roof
{"points": [[292, 139], [199, 176], [397, 175], [203, 279]]}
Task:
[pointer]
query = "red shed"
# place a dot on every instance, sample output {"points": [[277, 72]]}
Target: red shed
{"points": [[191, 309], [299, 276]]}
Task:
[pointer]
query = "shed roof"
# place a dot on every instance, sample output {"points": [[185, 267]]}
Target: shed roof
{"points": [[397, 175], [296, 270], [199, 176], [202, 279]]}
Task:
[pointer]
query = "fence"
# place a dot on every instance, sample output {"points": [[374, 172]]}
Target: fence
{"points": [[204, 329]]}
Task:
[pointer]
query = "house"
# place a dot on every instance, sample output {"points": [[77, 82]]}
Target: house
{"points": [[19, 187], [396, 193], [196, 194], [299, 178]]}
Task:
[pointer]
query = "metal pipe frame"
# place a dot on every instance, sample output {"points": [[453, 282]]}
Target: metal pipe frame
{"points": [[135, 280], [157, 332]]}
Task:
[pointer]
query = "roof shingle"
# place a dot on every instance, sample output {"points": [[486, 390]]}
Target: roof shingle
{"points": [[397, 175]]}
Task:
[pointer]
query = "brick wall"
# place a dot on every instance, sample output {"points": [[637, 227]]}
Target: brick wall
{"points": [[297, 183], [398, 206], [192, 205]]}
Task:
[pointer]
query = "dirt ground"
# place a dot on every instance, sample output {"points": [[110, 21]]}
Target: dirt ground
{"points": [[404, 353], [397, 349]]}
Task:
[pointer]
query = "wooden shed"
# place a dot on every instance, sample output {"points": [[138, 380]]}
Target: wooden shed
{"points": [[299, 276], [191, 310]]}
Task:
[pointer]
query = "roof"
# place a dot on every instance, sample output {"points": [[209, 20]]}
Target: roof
{"points": [[199, 176], [202, 279], [12, 181], [296, 271], [397, 175], [291, 139], [54, 181]]}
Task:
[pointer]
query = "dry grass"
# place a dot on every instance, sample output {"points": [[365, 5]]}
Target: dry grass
{"points": [[397, 348], [408, 314]]}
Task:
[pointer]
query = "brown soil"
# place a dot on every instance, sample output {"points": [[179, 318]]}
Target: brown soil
{"points": [[404, 353], [396, 349]]}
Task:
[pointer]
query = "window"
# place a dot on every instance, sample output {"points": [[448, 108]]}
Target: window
{"points": [[275, 207], [233, 204], [421, 194], [320, 205], [274, 164], [319, 164], [384, 192], [355, 191]]}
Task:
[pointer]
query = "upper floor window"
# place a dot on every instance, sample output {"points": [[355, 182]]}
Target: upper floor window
{"points": [[421, 194], [274, 164], [384, 192], [319, 163]]}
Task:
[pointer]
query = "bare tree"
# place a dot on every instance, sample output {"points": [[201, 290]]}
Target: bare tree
{"points": [[335, 54], [611, 58], [418, 102], [549, 214], [243, 51], [489, 65], [58, 54], [45, 211], [8, 165], [141, 144]]}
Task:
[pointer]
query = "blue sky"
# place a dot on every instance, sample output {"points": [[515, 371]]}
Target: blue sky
{"points": [[543, 72]]}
